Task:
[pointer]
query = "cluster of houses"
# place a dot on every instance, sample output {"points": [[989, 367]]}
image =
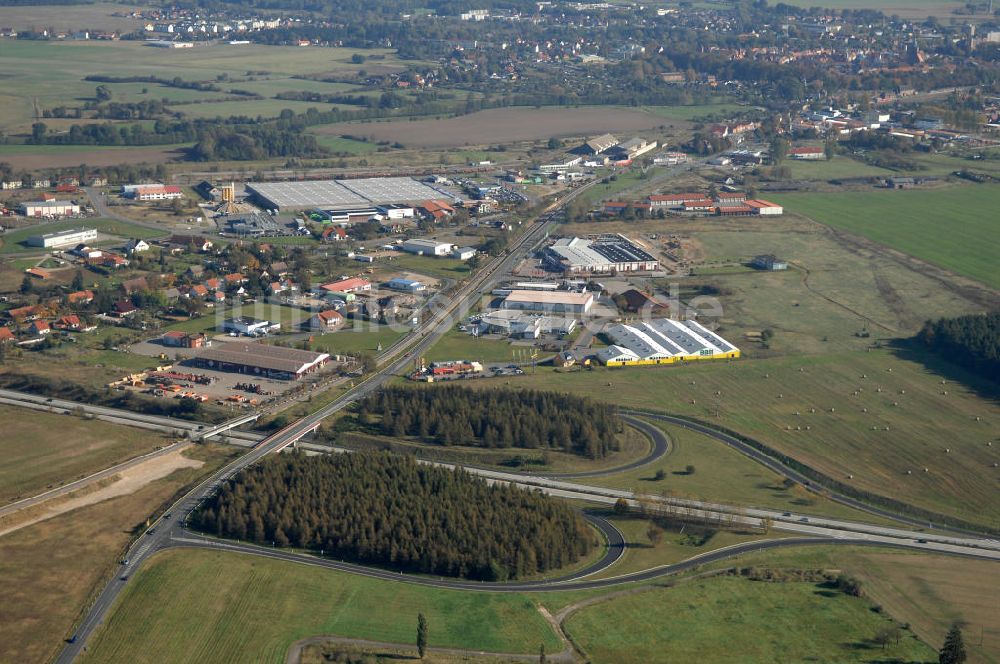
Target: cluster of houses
{"points": [[730, 204], [31, 324]]}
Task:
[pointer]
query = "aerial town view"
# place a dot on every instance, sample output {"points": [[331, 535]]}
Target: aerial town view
{"points": [[555, 331]]}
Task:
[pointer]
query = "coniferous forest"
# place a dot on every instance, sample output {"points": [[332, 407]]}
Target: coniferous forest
{"points": [[970, 341], [452, 415], [388, 510]]}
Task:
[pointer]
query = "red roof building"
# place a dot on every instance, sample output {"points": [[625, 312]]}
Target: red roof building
{"points": [[352, 285], [6, 335]]}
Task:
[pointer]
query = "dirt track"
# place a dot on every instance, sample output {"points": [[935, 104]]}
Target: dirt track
{"points": [[503, 125], [128, 481]]}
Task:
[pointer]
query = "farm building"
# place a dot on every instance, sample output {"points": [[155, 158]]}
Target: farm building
{"points": [[807, 153], [423, 247], [768, 262], [632, 148], [177, 339], [598, 255], [65, 238], [550, 301], [674, 200], [406, 285], [261, 360], [341, 194], [49, 209], [663, 341], [765, 208], [352, 285], [599, 144]]}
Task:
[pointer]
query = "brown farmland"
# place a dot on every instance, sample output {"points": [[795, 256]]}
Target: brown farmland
{"points": [[502, 125], [47, 157]]}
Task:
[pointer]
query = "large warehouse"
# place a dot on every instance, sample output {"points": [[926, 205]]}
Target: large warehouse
{"points": [[63, 238], [261, 360], [337, 194], [663, 341], [603, 254], [549, 301]]}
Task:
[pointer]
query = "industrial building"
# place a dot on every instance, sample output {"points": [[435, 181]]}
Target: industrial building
{"points": [[340, 194], [549, 301], [523, 325], [405, 285], [599, 255], [72, 236], [248, 327], [423, 247], [663, 341], [49, 208], [261, 360]]}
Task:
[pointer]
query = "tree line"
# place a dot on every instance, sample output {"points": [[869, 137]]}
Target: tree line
{"points": [[389, 510], [452, 415], [970, 341]]}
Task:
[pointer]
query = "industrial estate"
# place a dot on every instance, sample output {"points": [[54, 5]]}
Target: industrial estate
{"points": [[499, 332]]}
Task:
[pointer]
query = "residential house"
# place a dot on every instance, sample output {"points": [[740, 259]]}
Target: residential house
{"points": [[80, 297], [137, 285], [6, 335], [70, 322], [39, 328], [136, 246], [325, 321]]}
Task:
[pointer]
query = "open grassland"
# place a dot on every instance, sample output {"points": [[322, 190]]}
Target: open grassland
{"points": [[53, 72], [43, 449], [903, 8], [695, 111], [838, 167], [928, 591], [953, 228], [456, 345], [805, 407], [361, 338], [71, 556], [438, 267], [712, 620], [338, 144], [501, 125], [720, 474], [208, 607], [96, 16]]}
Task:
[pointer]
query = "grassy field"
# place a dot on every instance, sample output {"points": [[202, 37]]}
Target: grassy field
{"points": [[711, 620], [341, 144], [952, 228], [838, 167], [696, 111], [53, 72], [358, 339], [211, 607], [43, 449], [456, 345], [70, 556], [928, 591], [440, 268], [721, 474], [267, 108]]}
